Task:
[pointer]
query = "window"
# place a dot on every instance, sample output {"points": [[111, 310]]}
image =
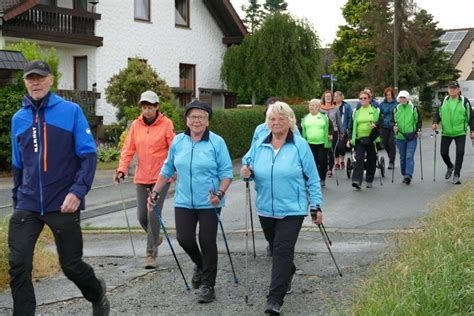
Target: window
{"points": [[80, 5], [187, 83], [48, 2], [181, 12], [80, 73], [142, 10]]}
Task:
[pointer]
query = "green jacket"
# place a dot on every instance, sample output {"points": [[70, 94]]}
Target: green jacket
{"points": [[455, 117], [374, 135], [327, 128], [407, 119]]}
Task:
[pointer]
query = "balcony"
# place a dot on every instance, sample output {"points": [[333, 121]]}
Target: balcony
{"points": [[53, 24], [87, 101]]}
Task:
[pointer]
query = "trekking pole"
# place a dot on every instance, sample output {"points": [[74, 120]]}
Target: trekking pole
{"points": [[334, 156], [169, 244], [249, 199], [247, 252], [377, 164], [329, 249], [236, 280], [247, 185], [421, 160], [326, 233], [434, 154], [126, 218]]}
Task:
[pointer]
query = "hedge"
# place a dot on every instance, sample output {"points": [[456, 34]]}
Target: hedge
{"points": [[236, 126]]}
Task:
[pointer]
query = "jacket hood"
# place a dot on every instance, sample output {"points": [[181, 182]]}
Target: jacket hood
{"points": [[51, 99]]}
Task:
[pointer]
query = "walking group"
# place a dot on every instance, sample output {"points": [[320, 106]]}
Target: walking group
{"points": [[288, 169]]}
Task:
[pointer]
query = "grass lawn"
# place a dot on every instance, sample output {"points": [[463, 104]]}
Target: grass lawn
{"points": [[107, 165], [432, 270]]}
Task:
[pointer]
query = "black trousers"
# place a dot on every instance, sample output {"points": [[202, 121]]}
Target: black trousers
{"points": [[388, 139], [320, 155], [283, 233], [24, 230], [460, 144], [206, 257], [361, 152]]}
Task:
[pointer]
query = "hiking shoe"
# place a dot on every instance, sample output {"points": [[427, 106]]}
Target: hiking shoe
{"points": [[196, 279], [356, 185], [338, 166], [206, 294], [269, 251], [448, 174], [273, 308], [150, 262], [390, 166], [456, 179], [343, 165], [369, 185], [329, 173], [323, 183], [102, 307], [407, 180], [289, 290]]}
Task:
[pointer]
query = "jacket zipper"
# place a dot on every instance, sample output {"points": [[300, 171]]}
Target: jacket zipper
{"points": [[191, 173], [40, 149], [271, 178]]}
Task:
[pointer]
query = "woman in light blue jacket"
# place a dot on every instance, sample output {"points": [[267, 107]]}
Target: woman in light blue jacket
{"points": [[203, 165], [286, 177]]}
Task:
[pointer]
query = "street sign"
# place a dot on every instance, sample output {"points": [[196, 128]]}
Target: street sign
{"points": [[326, 76]]}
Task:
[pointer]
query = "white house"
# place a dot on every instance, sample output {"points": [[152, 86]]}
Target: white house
{"points": [[184, 41]]}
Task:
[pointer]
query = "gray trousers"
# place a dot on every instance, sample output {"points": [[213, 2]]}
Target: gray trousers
{"points": [[148, 221]]}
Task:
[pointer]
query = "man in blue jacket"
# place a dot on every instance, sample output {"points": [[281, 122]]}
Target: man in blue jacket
{"points": [[54, 160]]}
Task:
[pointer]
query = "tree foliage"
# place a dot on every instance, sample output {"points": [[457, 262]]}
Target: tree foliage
{"points": [[254, 15], [364, 47], [280, 59], [124, 89], [32, 51], [275, 6]]}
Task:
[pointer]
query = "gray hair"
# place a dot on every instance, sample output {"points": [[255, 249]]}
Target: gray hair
{"points": [[283, 109], [316, 102]]}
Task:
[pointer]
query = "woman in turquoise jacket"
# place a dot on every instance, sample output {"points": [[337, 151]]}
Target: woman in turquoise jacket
{"points": [[203, 165], [285, 176]]}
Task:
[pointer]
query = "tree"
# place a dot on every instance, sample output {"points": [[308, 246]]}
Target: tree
{"points": [[124, 89], [253, 15], [364, 47], [279, 59], [32, 51], [275, 6]]}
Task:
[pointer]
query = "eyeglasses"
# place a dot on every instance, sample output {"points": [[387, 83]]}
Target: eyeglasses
{"points": [[199, 118], [35, 78], [363, 98]]}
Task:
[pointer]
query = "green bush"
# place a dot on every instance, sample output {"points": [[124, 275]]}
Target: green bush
{"points": [[107, 153], [112, 133], [32, 51], [10, 102], [236, 126], [124, 89]]}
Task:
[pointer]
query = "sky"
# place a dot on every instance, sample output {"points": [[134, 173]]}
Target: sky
{"points": [[326, 15]]}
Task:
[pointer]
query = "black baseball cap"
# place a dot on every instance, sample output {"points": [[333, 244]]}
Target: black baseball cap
{"points": [[196, 104], [453, 84], [37, 67]]}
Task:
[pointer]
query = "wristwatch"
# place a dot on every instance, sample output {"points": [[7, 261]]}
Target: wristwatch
{"points": [[155, 195], [220, 194]]}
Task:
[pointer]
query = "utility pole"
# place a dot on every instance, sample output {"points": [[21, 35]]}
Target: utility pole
{"points": [[395, 48]]}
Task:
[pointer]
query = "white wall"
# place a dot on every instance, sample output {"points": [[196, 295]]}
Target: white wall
{"points": [[160, 42], [465, 65]]}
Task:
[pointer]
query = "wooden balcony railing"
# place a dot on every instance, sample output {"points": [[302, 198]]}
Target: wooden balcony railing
{"points": [[55, 24], [87, 101]]}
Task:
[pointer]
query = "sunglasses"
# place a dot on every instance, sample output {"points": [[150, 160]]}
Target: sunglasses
{"points": [[363, 98]]}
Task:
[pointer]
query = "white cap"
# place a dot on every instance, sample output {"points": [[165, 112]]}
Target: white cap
{"points": [[150, 97], [403, 94]]}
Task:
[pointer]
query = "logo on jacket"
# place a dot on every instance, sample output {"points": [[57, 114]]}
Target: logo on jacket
{"points": [[35, 140], [88, 131]]}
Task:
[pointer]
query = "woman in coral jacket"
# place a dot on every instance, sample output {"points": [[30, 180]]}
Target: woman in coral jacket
{"points": [[149, 137]]}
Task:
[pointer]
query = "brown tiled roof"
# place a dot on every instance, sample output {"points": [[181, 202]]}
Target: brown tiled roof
{"points": [[227, 18], [19, 8], [463, 46]]}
